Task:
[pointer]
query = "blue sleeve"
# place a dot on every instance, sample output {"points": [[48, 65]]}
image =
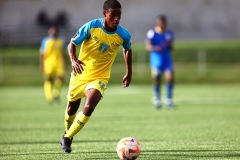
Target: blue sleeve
{"points": [[43, 45], [126, 38], [82, 34], [127, 43]]}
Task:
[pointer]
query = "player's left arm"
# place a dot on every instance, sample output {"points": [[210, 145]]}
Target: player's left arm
{"points": [[168, 44], [170, 41], [127, 78]]}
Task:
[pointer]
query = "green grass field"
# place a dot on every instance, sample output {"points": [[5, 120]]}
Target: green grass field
{"points": [[204, 125]]}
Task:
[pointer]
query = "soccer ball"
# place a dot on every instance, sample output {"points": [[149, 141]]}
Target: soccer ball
{"points": [[128, 148]]}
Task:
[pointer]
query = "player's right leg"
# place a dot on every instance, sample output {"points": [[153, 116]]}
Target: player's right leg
{"points": [[93, 92], [93, 96], [169, 88], [48, 89], [59, 74], [70, 114], [75, 93], [156, 75]]}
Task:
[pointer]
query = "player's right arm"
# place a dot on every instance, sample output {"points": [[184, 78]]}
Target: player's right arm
{"points": [[42, 52], [150, 47], [82, 34], [77, 65], [148, 44]]}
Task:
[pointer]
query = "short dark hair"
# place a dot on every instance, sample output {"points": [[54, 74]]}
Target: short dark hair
{"points": [[162, 17], [111, 4]]}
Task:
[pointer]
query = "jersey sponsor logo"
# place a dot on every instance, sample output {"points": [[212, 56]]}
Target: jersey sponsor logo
{"points": [[103, 47], [102, 85]]}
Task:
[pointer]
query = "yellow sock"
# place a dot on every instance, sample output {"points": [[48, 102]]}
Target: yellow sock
{"points": [[77, 125], [57, 87], [48, 91], [68, 120]]}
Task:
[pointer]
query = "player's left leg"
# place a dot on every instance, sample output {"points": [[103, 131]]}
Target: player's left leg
{"points": [[169, 88], [59, 74], [57, 87]]}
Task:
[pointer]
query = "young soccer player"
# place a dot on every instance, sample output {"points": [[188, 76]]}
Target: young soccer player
{"points": [[52, 63], [160, 44], [100, 40]]}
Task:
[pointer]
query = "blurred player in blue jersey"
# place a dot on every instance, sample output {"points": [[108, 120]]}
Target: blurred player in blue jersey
{"points": [[52, 63], [99, 40], [159, 43]]}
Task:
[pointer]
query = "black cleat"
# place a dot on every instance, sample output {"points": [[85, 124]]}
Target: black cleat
{"points": [[66, 144], [70, 139]]}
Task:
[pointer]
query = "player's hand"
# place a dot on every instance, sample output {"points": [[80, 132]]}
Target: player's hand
{"points": [[157, 48], [77, 66], [126, 80]]}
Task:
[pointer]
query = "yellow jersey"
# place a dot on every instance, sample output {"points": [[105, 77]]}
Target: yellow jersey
{"points": [[52, 50], [99, 49]]}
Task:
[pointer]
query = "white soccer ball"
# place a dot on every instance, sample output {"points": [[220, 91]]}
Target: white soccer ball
{"points": [[128, 148]]}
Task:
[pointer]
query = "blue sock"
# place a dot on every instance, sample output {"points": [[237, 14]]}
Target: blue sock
{"points": [[156, 89], [169, 88]]}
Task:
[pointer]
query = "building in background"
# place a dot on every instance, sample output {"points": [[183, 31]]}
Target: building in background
{"points": [[190, 19]]}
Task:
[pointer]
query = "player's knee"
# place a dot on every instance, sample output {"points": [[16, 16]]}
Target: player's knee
{"points": [[170, 80], [88, 109], [73, 107]]}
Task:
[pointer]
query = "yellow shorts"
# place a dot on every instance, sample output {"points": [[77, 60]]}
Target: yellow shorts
{"points": [[77, 87], [53, 71]]}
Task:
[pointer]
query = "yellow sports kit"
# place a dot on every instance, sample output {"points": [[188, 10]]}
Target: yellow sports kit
{"points": [[98, 51], [52, 50]]}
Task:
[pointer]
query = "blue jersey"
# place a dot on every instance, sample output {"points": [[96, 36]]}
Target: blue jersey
{"points": [[161, 59]]}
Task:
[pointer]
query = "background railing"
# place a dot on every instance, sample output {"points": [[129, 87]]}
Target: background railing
{"points": [[194, 62]]}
